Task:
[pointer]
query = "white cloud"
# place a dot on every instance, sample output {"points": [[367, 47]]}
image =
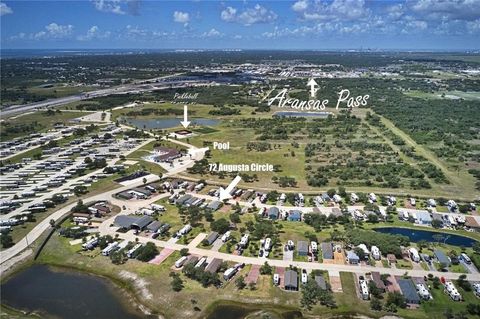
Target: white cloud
{"points": [[336, 10], [4, 9], [229, 14], [53, 31], [94, 33], [112, 6], [396, 11], [300, 6], [181, 17], [473, 26], [454, 9], [213, 33], [257, 14], [20, 36]]}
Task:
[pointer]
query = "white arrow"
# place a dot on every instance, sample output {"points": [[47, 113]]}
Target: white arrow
{"points": [[225, 193], [312, 84], [185, 121]]}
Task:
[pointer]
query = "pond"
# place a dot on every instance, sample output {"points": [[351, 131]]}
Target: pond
{"points": [[164, 123], [322, 115], [64, 294], [416, 235]]}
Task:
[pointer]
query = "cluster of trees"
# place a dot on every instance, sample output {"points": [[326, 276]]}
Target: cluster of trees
{"points": [[313, 294], [285, 181], [96, 163], [387, 243], [259, 146], [10, 130], [199, 274], [177, 282], [394, 300], [157, 112], [222, 111]]}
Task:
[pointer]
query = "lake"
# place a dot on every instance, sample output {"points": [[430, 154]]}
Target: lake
{"points": [[168, 122], [64, 294], [416, 235], [322, 115]]}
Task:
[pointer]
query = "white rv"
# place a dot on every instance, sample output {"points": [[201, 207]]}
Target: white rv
{"points": [[267, 244], [110, 248], [180, 262], [244, 240], [131, 252], [226, 236], [414, 255], [364, 290], [376, 253]]}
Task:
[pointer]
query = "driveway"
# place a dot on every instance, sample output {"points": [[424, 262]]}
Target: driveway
{"points": [[217, 244]]}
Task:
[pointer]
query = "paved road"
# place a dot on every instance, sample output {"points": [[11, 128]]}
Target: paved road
{"points": [[123, 89], [281, 263]]}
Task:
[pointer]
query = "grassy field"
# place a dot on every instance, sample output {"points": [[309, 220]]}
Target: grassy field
{"points": [[473, 96]]}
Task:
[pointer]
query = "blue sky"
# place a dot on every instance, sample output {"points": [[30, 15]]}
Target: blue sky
{"points": [[302, 24]]}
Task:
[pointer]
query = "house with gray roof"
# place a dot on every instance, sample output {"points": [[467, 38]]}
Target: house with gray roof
{"points": [[214, 265], [320, 280], [153, 227], [352, 257], [327, 250], [132, 222], [215, 205], [211, 238], [291, 280], [409, 291], [273, 213], [442, 258], [302, 248]]}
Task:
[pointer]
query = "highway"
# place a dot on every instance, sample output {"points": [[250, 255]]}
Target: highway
{"points": [[137, 87]]}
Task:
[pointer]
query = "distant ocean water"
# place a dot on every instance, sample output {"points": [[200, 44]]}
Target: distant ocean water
{"points": [[36, 53]]}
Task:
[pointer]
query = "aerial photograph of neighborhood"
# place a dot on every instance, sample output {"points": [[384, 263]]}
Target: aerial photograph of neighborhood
{"points": [[240, 159]]}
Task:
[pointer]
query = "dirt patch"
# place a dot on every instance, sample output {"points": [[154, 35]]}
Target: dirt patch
{"points": [[253, 274], [139, 283]]}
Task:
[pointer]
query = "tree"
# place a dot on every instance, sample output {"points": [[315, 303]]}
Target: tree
{"points": [[310, 294], [372, 218], [476, 247], [376, 304], [251, 285], [240, 282], [331, 192], [463, 283], [147, 252], [436, 223], [184, 252], [220, 225], [235, 218], [118, 257], [436, 282], [177, 282], [422, 244], [6, 240], [396, 299], [266, 269], [372, 287]]}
